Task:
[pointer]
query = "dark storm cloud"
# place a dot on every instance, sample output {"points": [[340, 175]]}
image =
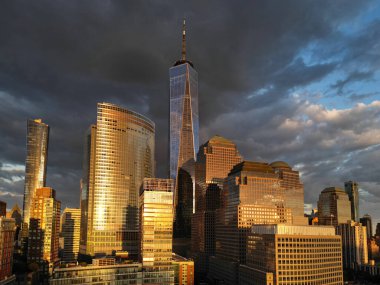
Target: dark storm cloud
{"points": [[59, 58]]}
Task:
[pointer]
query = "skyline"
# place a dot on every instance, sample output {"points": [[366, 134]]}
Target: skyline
{"points": [[282, 100]]}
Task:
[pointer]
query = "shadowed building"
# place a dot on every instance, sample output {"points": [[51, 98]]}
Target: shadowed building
{"points": [[119, 154], [366, 221], [35, 165], [352, 190], [183, 140], [354, 244], [7, 233], [334, 207], [215, 160], [156, 231], [70, 232], [3, 209]]}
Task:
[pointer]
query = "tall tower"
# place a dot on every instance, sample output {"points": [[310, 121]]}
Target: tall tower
{"points": [[183, 138], [156, 231], [333, 207], [35, 164], [121, 154], [352, 190]]}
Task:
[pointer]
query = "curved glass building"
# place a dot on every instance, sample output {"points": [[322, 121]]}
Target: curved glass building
{"points": [[118, 159]]}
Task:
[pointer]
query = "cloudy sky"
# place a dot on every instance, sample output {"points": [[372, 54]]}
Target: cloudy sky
{"points": [[286, 80]]}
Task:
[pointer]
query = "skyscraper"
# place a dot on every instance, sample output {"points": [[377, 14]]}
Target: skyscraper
{"points": [[183, 138], [215, 160], [70, 232], [252, 194], [35, 165], [334, 207], [3, 209], [43, 235], [121, 154], [156, 231], [352, 190], [366, 221], [354, 244]]}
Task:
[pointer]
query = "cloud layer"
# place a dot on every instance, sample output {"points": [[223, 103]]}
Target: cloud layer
{"points": [[295, 80]]}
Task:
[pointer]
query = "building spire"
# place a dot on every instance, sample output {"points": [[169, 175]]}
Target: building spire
{"points": [[183, 58]]}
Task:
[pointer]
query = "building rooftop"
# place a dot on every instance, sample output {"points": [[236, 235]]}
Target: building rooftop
{"points": [[333, 190], [261, 167], [280, 164], [282, 229]]}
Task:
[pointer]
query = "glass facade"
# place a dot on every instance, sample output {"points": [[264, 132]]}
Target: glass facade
{"points": [[35, 165], [334, 207], [156, 230], [352, 190], [121, 155]]}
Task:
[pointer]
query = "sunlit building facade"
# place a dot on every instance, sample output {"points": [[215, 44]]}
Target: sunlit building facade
{"points": [[43, 239], [7, 233], [37, 142], [288, 254], [215, 160], [183, 139], [334, 207], [354, 244], [121, 150], [70, 231], [366, 221], [156, 230], [183, 270], [352, 190], [252, 194]]}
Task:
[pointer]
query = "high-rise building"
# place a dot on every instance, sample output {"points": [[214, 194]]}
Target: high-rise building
{"points": [[252, 194], [121, 154], [334, 207], [288, 254], [43, 240], [352, 190], [35, 164], [15, 213], [378, 229], [366, 221], [215, 160], [183, 139], [7, 232], [183, 270], [3, 209], [294, 192], [354, 244], [102, 271], [156, 230], [70, 231]]}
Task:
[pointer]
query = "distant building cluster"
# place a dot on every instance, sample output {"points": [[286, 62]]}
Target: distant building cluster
{"points": [[216, 219]]}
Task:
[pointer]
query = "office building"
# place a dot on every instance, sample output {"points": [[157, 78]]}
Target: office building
{"points": [[294, 192], [120, 153], [156, 230], [43, 239], [352, 190], [70, 232], [288, 254], [183, 270], [366, 221], [101, 272], [183, 139], [7, 233], [354, 244], [215, 160], [334, 207], [252, 194], [35, 165]]}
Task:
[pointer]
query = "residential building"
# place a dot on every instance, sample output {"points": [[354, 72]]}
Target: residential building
{"points": [[183, 270], [121, 154], [7, 232], [334, 207]]}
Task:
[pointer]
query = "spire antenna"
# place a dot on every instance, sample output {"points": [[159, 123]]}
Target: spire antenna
{"points": [[183, 58]]}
